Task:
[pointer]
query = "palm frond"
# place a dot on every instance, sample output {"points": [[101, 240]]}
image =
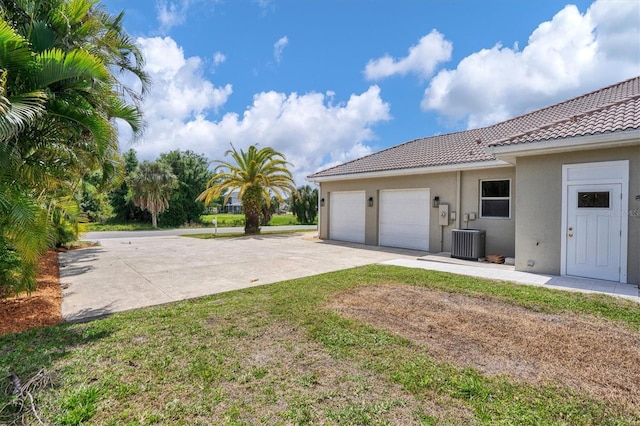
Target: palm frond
{"points": [[132, 115], [41, 37], [103, 134], [263, 171], [15, 53], [19, 112], [57, 65]]}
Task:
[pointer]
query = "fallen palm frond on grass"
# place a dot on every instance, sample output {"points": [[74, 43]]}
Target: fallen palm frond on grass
{"points": [[21, 400], [371, 345]]}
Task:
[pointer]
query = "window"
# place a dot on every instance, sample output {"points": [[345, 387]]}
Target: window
{"points": [[495, 198], [593, 200]]}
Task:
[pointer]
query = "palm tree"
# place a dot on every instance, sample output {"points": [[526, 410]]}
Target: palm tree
{"points": [[24, 229], [59, 99], [32, 170], [151, 186], [19, 106], [256, 175], [305, 205], [81, 109], [60, 64]]}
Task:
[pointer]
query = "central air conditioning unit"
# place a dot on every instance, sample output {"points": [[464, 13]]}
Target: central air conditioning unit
{"points": [[468, 244]]}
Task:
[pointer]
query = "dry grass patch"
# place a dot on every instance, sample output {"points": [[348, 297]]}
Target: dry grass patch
{"points": [[259, 371], [582, 353], [285, 375]]}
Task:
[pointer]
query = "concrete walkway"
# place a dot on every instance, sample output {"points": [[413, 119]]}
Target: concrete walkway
{"points": [[508, 273]]}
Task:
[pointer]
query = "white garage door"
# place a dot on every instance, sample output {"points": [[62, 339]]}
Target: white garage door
{"points": [[404, 218], [346, 216]]}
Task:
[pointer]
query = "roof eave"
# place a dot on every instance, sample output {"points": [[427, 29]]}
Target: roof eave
{"points": [[509, 153], [487, 164]]}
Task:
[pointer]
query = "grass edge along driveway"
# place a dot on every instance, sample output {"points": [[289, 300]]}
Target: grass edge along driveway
{"points": [[277, 355]]}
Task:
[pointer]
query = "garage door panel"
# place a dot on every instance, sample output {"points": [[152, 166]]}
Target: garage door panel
{"points": [[407, 230], [347, 216], [404, 218]]}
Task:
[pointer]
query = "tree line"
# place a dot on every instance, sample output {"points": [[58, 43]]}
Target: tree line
{"points": [[166, 188], [176, 189]]}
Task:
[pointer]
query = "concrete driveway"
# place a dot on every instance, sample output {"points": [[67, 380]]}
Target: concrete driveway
{"points": [[127, 273]]}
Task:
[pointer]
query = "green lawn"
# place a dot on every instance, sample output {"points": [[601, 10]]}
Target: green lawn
{"points": [[98, 226], [277, 354], [224, 220]]}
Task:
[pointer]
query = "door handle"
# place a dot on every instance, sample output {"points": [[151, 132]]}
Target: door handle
{"points": [[571, 235]]}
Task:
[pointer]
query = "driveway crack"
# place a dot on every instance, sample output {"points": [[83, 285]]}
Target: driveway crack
{"points": [[148, 280]]}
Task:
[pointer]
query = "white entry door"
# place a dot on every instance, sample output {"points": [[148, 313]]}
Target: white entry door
{"points": [[593, 234], [404, 218], [346, 216]]}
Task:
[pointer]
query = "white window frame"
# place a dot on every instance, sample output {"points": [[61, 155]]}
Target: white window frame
{"points": [[494, 198]]}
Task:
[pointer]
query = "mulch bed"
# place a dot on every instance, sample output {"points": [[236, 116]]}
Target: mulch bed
{"points": [[42, 307]]}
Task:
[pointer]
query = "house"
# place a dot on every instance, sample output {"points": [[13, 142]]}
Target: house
{"points": [[234, 204], [557, 188]]}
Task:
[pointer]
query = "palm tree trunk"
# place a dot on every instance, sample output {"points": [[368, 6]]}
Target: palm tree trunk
{"points": [[251, 203]]}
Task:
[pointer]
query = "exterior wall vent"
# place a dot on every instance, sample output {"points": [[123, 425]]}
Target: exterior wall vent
{"points": [[468, 244]]}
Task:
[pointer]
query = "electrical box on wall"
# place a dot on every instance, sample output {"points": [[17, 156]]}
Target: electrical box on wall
{"points": [[443, 214]]}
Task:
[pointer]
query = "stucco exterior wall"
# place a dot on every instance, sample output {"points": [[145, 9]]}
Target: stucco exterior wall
{"points": [[539, 208], [500, 232]]}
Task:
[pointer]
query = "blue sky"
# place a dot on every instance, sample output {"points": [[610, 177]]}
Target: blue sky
{"points": [[325, 82]]}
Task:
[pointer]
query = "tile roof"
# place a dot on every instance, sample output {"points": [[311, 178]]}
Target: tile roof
{"points": [[611, 109], [618, 116]]}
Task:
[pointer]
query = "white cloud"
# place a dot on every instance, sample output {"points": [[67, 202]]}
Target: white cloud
{"points": [[218, 58], [179, 90], [422, 59], [311, 129], [278, 47], [171, 14], [307, 129], [567, 56]]}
